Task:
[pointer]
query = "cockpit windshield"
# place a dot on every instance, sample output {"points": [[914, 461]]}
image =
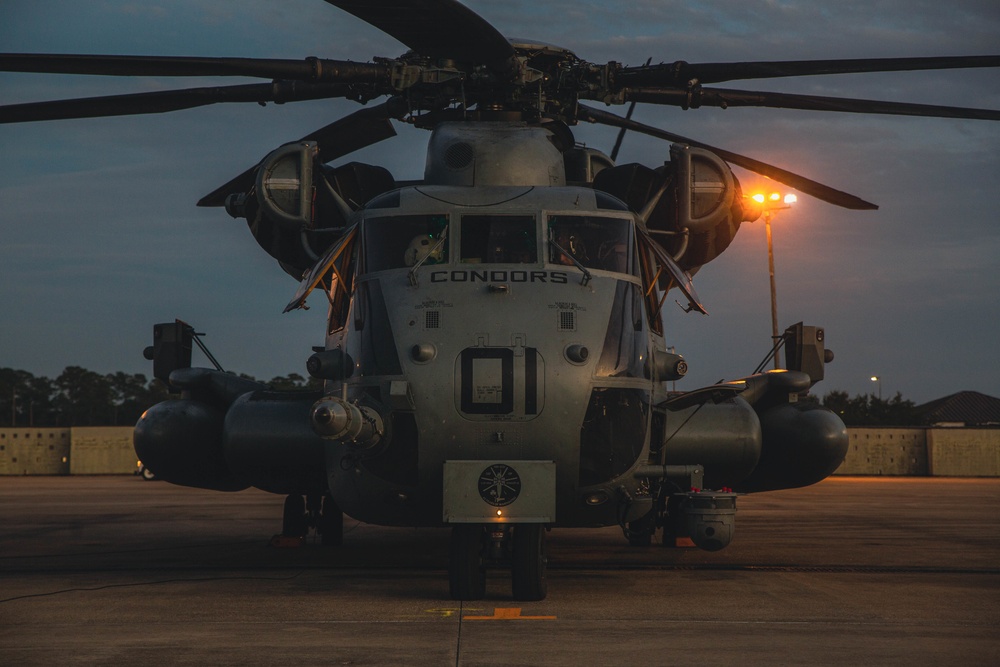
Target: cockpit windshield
{"points": [[588, 241], [499, 239], [402, 241], [592, 241]]}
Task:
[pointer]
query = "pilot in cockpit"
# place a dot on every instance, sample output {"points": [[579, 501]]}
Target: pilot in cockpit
{"points": [[423, 246]]}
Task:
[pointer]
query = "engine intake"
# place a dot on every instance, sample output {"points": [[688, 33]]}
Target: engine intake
{"points": [[698, 215]]}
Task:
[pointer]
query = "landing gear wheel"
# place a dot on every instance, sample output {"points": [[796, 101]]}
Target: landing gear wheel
{"points": [[330, 523], [467, 569], [640, 532], [528, 562], [294, 520]]}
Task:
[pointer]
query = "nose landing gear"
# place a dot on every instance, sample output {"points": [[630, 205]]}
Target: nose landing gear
{"points": [[521, 547]]}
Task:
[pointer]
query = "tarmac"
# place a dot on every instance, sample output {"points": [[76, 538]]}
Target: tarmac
{"points": [[114, 570]]}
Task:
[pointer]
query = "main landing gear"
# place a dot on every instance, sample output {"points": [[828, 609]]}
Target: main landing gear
{"points": [[519, 546], [313, 511]]}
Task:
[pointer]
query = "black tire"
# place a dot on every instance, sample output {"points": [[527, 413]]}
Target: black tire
{"points": [[294, 520], [467, 569], [331, 523], [528, 562], [639, 537], [640, 532]]}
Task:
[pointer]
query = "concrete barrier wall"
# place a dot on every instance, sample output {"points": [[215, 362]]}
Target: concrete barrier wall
{"points": [[101, 450], [943, 452], [34, 451], [66, 451], [885, 451], [966, 452]]}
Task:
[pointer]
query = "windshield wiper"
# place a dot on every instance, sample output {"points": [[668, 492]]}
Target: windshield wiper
{"points": [[576, 262]]}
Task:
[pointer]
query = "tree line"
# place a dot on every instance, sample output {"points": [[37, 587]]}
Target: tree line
{"points": [[80, 397], [870, 410]]}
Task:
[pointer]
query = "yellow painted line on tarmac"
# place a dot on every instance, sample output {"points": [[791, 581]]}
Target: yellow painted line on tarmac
{"points": [[508, 614], [447, 612]]}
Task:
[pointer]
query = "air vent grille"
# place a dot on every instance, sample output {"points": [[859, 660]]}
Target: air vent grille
{"points": [[432, 319], [459, 155], [567, 320]]}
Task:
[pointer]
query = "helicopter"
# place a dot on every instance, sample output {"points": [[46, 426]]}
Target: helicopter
{"points": [[494, 357]]}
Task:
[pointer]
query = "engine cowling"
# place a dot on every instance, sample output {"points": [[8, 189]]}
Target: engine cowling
{"points": [[697, 202], [297, 205]]}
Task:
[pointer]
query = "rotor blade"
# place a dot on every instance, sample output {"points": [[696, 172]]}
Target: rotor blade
{"points": [[681, 73], [361, 128], [169, 100], [800, 183], [723, 97], [437, 29], [310, 69]]}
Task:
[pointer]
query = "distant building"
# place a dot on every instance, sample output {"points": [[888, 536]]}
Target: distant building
{"points": [[966, 408]]}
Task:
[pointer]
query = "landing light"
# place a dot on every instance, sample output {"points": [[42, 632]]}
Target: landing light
{"points": [[774, 201]]}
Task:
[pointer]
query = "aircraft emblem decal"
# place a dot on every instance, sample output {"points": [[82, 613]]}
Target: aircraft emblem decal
{"points": [[499, 485]]}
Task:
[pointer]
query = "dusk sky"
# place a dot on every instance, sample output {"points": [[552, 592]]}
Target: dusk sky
{"points": [[101, 237]]}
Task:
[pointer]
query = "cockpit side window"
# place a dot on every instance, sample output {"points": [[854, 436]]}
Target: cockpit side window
{"points": [[593, 241], [499, 239], [401, 241]]}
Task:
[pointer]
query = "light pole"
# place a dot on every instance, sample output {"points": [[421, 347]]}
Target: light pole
{"points": [[770, 205], [878, 379]]}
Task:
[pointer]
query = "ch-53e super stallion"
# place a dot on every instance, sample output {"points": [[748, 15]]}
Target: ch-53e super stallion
{"points": [[494, 357]]}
